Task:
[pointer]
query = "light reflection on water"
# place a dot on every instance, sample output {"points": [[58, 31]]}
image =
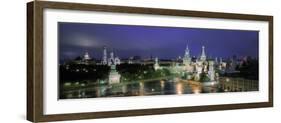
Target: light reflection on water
{"points": [[160, 87]]}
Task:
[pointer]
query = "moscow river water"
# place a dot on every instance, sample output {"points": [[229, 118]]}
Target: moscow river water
{"points": [[162, 87]]}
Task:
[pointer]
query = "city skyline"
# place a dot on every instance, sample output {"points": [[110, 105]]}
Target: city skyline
{"points": [[99, 72], [147, 41]]}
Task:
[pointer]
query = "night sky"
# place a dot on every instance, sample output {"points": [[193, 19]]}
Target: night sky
{"points": [[146, 41]]}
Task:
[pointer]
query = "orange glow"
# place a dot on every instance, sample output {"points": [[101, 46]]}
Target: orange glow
{"points": [[162, 84], [179, 88], [141, 89], [196, 91], [196, 87]]}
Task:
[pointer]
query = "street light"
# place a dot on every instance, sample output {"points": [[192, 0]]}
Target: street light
{"points": [[227, 79]]}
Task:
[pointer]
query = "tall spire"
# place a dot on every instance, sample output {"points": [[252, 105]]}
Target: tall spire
{"points": [[187, 53], [104, 61], [203, 54], [186, 58]]}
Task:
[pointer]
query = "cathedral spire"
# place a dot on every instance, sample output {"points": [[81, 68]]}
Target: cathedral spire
{"points": [[104, 61], [203, 54], [186, 58], [187, 53]]}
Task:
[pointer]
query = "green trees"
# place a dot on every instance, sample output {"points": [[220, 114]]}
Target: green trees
{"points": [[82, 72], [93, 73], [204, 77], [249, 69], [135, 72]]}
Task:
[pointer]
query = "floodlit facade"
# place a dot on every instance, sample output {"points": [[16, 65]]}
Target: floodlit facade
{"points": [[192, 69], [114, 76], [86, 56], [112, 60]]}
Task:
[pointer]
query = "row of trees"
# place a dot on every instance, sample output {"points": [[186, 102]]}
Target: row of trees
{"points": [[248, 69], [93, 73], [83, 73], [134, 72]]}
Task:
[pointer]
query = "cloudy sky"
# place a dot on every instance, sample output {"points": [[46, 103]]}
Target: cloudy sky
{"points": [[145, 41]]}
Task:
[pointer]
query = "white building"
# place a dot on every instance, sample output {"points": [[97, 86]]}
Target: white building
{"points": [[203, 66], [156, 64], [114, 76], [86, 56], [111, 60], [193, 69], [104, 58]]}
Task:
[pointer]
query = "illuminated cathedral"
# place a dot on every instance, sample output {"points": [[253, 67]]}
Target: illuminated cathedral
{"points": [[193, 69], [112, 60], [201, 66]]}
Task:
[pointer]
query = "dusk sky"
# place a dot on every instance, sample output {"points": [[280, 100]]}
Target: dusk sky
{"points": [[145, 41]]}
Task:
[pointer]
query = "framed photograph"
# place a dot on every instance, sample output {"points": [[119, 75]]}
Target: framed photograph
{"points": [[96, 61]]}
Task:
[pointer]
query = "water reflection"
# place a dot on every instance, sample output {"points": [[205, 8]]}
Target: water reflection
{"points": [[161, 87], [179, 88]]}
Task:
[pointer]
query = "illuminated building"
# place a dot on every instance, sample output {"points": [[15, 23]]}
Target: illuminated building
{"points": [[111, 60], [193, 69], [86, 56], [156, 64], [114, 76], [104, 58]]}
